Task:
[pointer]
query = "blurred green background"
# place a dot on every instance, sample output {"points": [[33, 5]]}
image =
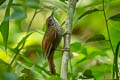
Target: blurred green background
{"points": [[92, 59]]}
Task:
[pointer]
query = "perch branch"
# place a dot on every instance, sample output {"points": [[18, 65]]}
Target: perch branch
{"points": [[67, 37]]}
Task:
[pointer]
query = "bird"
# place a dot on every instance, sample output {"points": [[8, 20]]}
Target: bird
{"points": [[51, 40]]}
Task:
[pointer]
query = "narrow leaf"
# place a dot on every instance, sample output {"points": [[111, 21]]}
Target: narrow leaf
{"points": [[28, 62], [54, 78], [39, 69], [63, 0], [97, 2], [115, 17], [44, 28], [116, 69], [4, 28], [23, 40], [60, 5], [87, 12], [97, 37], [32, 4], [2, 1], [18, 14], [75, 47], [87, 74]]}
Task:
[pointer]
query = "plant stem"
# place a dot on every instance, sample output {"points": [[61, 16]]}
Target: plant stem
{"points": [[116, 61], [29, 26], [67, 38], [28, 29], [106, 21]]}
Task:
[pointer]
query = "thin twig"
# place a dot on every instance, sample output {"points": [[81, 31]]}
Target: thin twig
{"points": [[13, 59], [28, 29], [106, 21], [29, 26]]}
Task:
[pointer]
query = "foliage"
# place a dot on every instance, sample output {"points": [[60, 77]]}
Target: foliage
{"points": [[97, 37], [115, 17], [22, 26]]}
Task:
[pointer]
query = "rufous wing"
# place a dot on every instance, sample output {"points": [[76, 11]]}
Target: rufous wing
{"points": [[47, 43]]}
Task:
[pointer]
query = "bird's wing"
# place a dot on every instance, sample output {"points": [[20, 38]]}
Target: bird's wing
{"points": [[47, 42]]}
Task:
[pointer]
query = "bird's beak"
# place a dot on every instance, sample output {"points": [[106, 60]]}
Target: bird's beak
{"points": [[52, 13]]}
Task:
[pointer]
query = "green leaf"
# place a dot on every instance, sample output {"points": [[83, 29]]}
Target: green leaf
{"points": [[32, 4], [10, 76], [2, 1], [21, 78], [54, 78], [28, 62], [88, 74], [40, 69], [116, 69], [63, 0], [87, 12], [18, 13], [92, 55], [25, 58], [4, 28], [100, 71], [23, 40], [3, 66], [97, 37], [25, 71], [44, 28], [115, 17], [60, 5], [97, 2], [75, 47]]}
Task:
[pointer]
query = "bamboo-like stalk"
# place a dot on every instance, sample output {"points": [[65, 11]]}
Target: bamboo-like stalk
{"points": [[67, 38], [106, 22]]}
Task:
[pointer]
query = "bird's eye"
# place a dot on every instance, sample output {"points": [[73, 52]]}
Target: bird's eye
{"points": [[50, 19]]}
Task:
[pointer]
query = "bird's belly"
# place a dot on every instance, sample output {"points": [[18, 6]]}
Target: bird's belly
{"points": [[58, 39]]}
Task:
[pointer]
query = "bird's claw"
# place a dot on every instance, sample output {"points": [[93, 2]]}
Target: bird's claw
{"points": [[66, 33], [66, 49]]}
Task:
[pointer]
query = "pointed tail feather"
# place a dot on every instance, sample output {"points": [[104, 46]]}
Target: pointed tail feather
{"points": [[51, 63]]}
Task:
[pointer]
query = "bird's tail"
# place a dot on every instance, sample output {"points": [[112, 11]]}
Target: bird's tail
{"points": [[51, 63]]}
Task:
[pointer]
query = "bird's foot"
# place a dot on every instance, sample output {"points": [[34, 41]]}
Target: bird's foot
{"points": [[65, 49], [66, 33]]}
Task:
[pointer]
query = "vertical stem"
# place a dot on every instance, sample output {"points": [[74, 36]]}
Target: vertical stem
{"points": [[116, 61], [107, 27], [28, 29], [67, 38], [29, 26], [106, 21]]}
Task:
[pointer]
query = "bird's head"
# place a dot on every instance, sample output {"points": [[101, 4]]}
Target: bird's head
{"points": [[50, 20]]}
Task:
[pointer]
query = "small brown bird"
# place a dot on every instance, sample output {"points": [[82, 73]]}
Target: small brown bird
{"points": [[51, 40]]}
